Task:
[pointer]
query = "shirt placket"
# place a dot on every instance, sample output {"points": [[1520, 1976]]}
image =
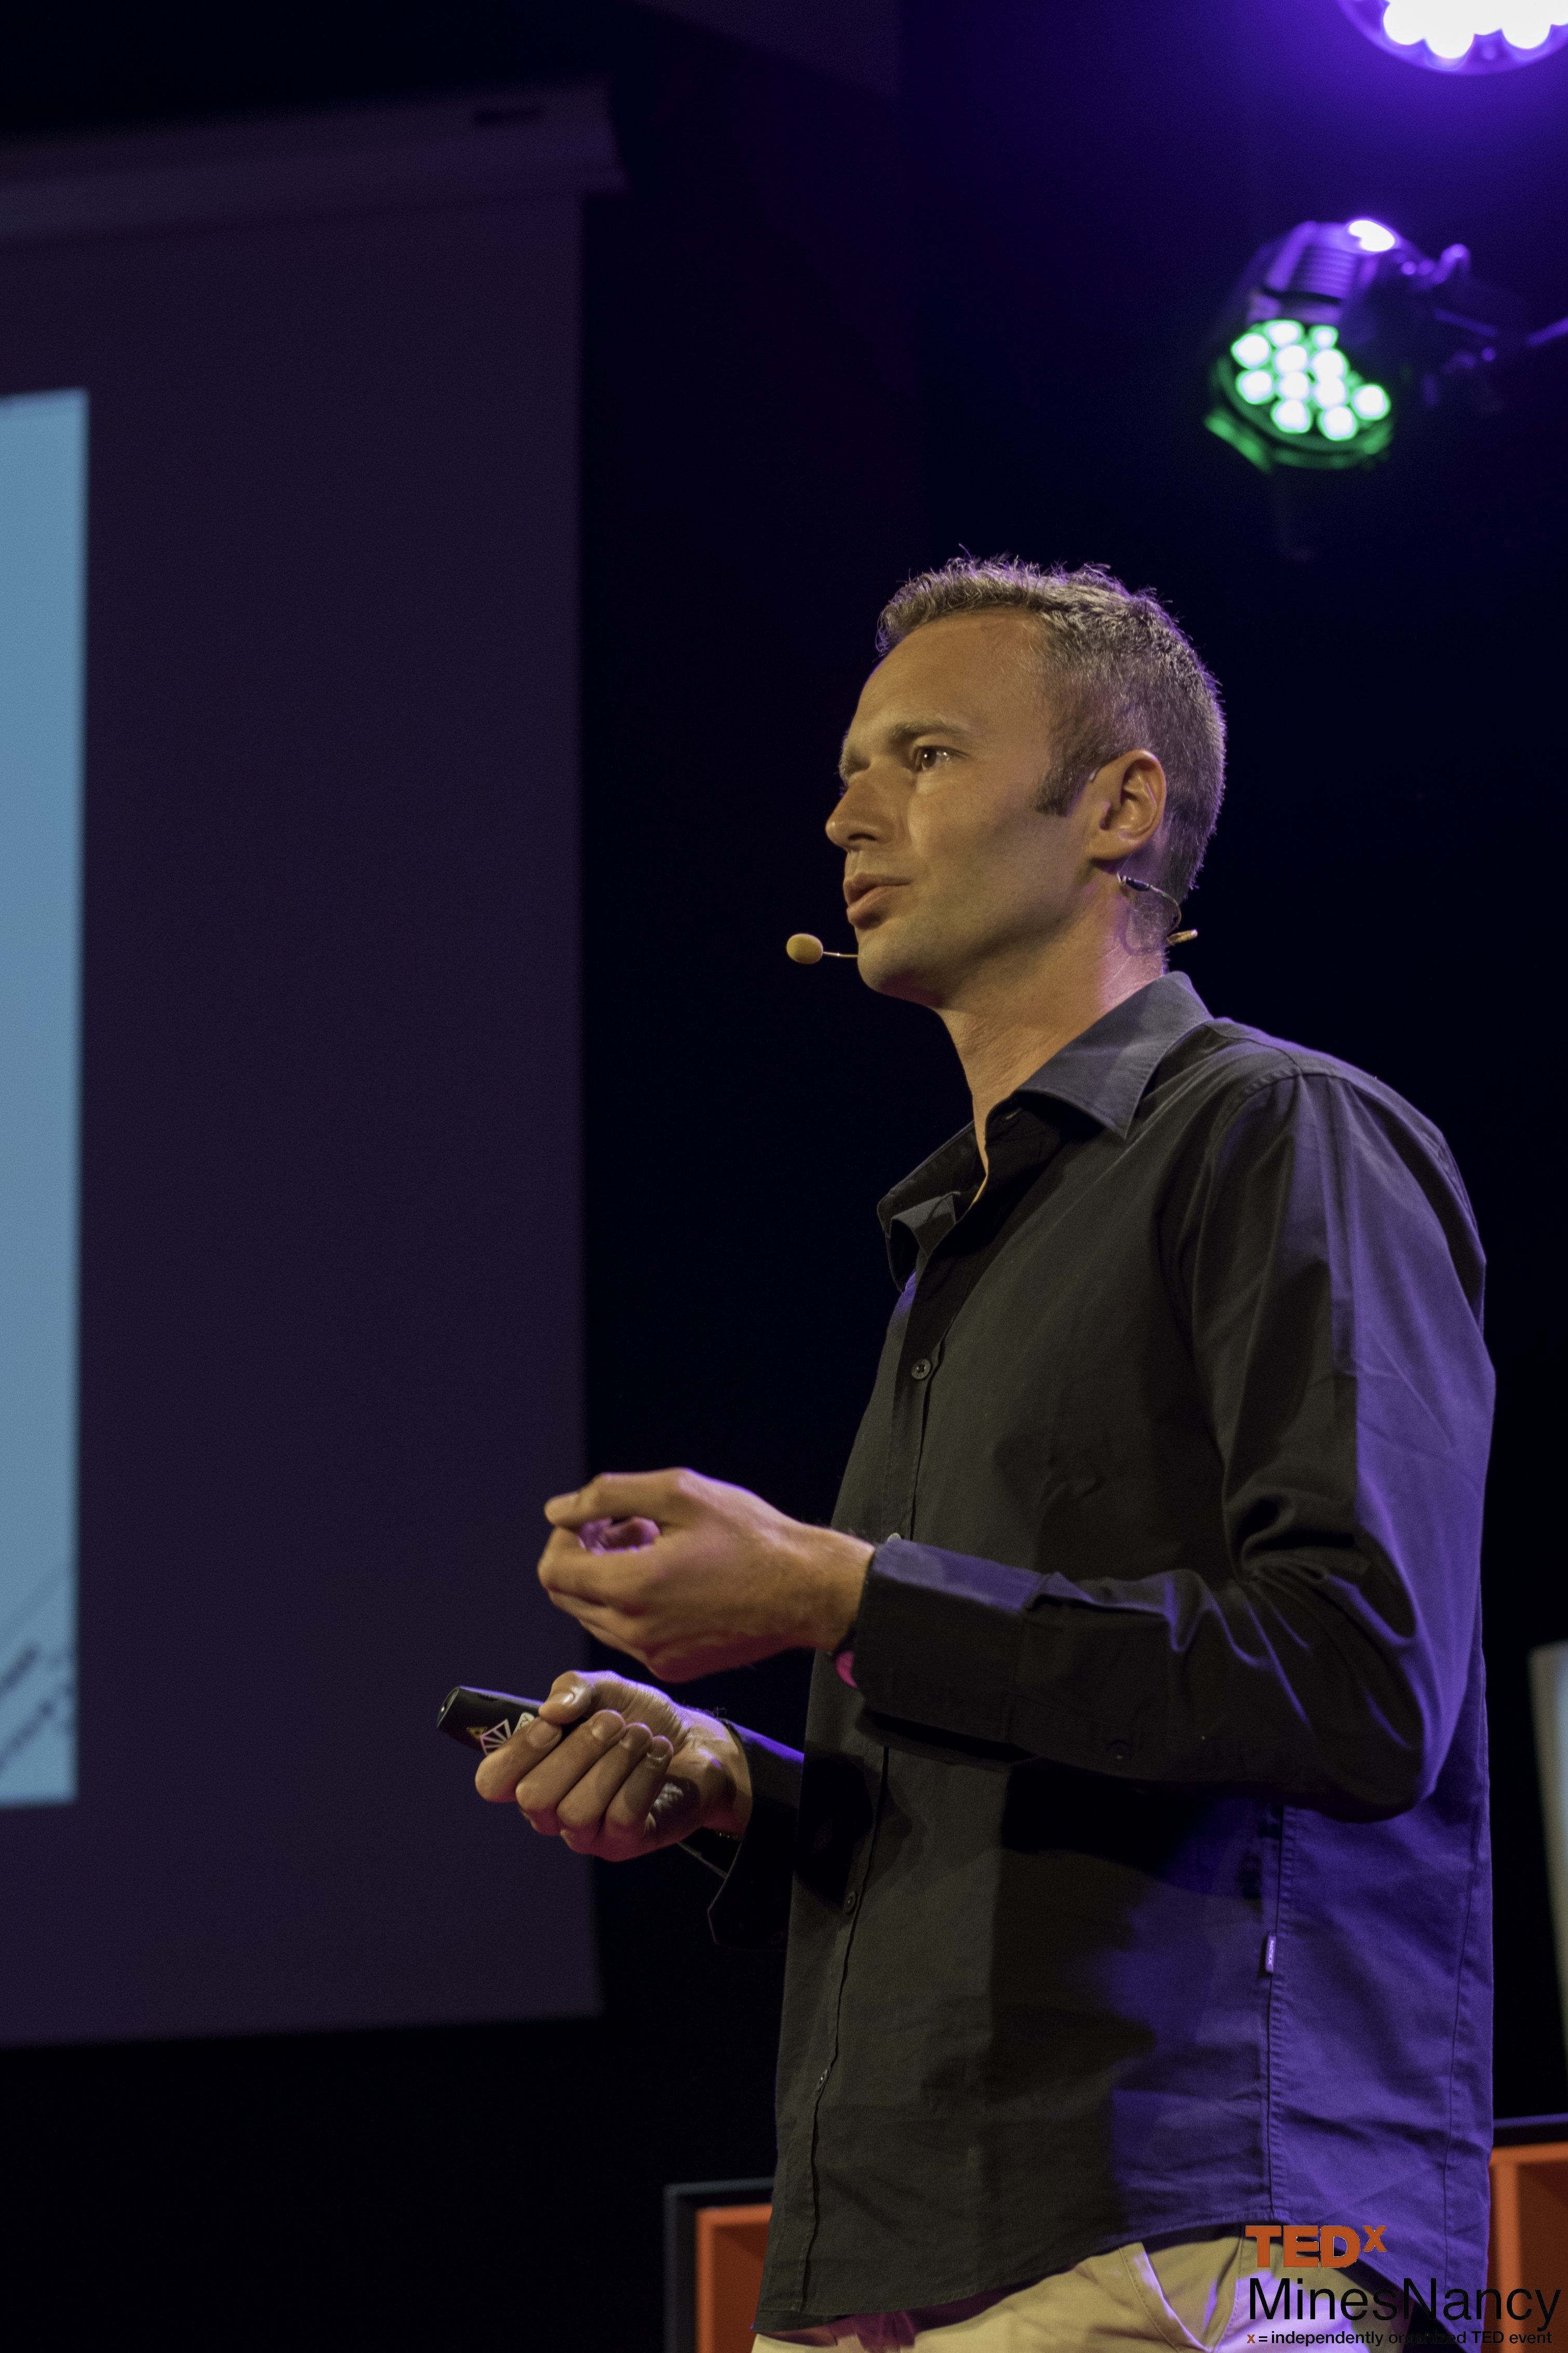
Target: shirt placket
{"points": [[844, 1941], [943, 1281], [919, 1357]]}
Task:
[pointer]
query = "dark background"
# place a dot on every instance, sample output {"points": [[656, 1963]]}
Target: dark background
{"points": [[330, 1091], [829, 338]]}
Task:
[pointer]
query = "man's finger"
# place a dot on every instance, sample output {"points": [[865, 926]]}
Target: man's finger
{"points": [[571, 1699], [606, 1580], [657, 1496], [574, 1696], [627, 1815], [566, 1566], [617, 1631], [500, 1772], [619, 1536], [632, 1823], [628, 1825], [676, 1807], [581, 1812], [539, 1793]]}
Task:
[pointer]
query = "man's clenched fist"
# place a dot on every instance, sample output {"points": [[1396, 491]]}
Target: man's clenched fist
{"points": [[617, 1770]]}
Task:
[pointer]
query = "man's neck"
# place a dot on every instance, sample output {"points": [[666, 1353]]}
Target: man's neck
{"points": [[1006, 1031]]}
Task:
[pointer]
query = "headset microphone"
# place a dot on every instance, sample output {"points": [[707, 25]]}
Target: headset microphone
{"points": [[804, 947], [1173, 939]]}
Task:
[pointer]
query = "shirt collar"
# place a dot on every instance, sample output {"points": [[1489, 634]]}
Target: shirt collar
{"points": [[1104, 1071]]}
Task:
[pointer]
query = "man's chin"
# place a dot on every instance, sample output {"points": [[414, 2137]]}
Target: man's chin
{"points": [[895, 967]]}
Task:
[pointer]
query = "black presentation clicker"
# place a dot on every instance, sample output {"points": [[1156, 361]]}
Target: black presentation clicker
{"points": [[484, 1719]]}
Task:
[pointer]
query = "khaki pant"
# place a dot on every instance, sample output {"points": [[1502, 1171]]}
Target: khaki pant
{"points": [[1196, 2297]]}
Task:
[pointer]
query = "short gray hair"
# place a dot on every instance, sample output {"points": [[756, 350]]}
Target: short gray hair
{"points": [[1121, 676]]}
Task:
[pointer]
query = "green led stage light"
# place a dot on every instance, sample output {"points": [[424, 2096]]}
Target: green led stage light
{"points": [[1337, 327], [1294, 381]]}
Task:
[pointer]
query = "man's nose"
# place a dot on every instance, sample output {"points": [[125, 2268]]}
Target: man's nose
{"points": [[856, 816]]}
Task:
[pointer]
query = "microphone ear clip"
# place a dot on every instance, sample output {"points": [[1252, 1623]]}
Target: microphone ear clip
{"points": [[1173, 939]]}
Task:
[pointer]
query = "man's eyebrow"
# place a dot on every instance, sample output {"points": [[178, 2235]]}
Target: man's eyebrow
{"points": [[905, 731]]}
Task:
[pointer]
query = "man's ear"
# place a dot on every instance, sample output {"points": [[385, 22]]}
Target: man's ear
{"points": [[1131, 804]]}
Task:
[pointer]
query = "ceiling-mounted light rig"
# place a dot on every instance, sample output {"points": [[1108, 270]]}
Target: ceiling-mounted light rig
{"points": [[1463, 36], [1336, 327]]}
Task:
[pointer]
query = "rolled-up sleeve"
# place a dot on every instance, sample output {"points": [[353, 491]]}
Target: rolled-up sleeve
{"points": [[1323, 1264]]}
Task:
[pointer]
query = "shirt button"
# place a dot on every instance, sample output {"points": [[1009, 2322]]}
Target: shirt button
{"points": [[849, 1901], [921, 1368], [1120, 1751]]}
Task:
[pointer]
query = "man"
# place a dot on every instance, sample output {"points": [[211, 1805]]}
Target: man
{"points": [[1135, 1876]]}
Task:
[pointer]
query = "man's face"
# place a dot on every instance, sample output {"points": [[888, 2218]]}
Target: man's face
{"points": [[949, 869]]}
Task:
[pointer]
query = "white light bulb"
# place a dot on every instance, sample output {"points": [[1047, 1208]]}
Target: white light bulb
{"points": [[1404, 21], [1525, 24], [1450, 28], [1291, 416], [1295, 384], [1338, 423], [1448, 35]]}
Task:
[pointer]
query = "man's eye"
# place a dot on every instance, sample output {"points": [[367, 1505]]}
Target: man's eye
{"points": [[928, 755]]}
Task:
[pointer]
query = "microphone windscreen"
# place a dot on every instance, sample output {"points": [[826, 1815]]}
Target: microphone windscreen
{"points": [[804, 947]]}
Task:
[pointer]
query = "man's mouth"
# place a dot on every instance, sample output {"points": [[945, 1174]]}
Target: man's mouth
{"points": [[867, 894]]}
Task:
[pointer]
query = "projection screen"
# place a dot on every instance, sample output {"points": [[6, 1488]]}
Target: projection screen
{"points": [[290, 1322]]}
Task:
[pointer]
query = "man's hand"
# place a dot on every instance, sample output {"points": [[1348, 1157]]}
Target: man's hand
{"points": [[691, 1576], [617, 1770]]}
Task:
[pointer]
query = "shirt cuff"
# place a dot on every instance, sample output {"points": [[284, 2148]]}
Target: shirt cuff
{"points": [[750, 1910], [939, 1637]]}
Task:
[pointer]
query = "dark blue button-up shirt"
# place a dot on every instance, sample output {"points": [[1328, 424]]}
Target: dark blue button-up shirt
{"points": [[1140, 1887]]}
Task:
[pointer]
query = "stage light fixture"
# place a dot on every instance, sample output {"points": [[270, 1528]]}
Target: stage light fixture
{"points": [[1466, 36], [1336, 326]]}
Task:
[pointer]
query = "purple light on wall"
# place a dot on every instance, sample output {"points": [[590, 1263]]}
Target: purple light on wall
{"points": [[1468, 36]]}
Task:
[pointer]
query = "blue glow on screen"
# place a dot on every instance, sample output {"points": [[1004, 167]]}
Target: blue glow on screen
{"points": [[43, 514]]}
